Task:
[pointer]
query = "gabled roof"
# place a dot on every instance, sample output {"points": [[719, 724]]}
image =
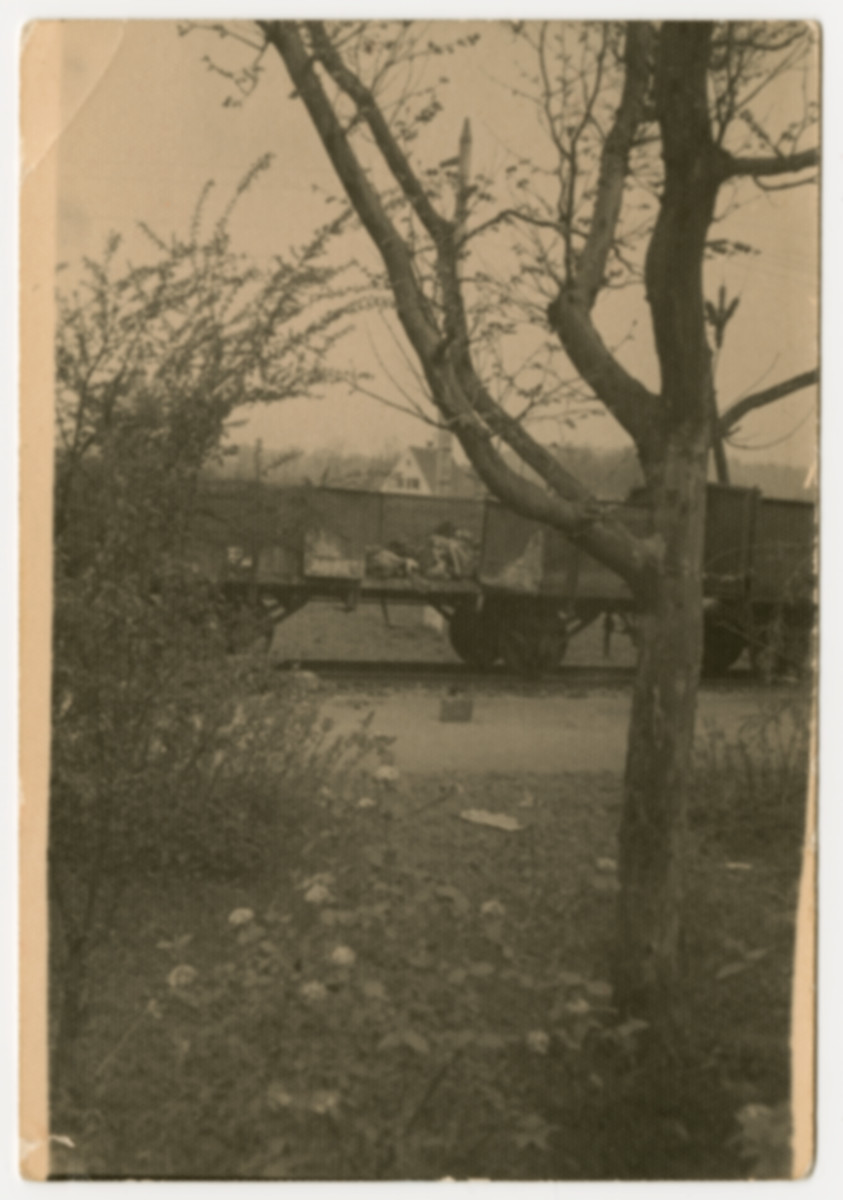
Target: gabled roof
{"points": [[463, 481], [425, 457]]}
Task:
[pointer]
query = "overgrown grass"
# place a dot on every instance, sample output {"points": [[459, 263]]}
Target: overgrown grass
{"points": [[399, 993], [749, 786], [748, 818]]}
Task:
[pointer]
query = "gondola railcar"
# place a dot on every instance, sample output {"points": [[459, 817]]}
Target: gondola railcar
{"points": [[511, 590]]}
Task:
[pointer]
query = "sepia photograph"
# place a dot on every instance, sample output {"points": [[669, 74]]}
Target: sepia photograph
{"points": [[419, 618]]}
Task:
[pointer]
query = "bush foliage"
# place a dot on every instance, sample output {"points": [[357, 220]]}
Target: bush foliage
{"points": [[150, 361]]}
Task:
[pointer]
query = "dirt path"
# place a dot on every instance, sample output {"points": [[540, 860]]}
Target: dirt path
{"points": [[515, 733], [508, 733]]}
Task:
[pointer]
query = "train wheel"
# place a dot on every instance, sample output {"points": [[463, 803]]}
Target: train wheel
{"points": [[781, 650], [723, 644], [474, 636], [533, 644], [246, 629]]}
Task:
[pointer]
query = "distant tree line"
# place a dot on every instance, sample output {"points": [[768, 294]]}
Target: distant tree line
{"points": [[610, 474]]}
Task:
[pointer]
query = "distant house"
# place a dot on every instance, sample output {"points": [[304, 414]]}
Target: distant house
{"points": [[431, 471], [418, 470]]}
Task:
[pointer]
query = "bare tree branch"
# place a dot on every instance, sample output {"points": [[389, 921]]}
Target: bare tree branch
{"points": [[366, 105], [614, 163], [632, 404], [787, 387], [510, 214], [783, 187], [413, 308], [773, 164]]}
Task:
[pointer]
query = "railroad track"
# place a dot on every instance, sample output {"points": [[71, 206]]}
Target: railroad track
{"points": [[497, 678]]}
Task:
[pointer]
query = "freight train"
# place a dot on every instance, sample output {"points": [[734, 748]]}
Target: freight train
{"points": [[511, 590]]}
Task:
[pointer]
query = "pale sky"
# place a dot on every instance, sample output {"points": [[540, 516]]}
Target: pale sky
{"points": [[144, 127]]}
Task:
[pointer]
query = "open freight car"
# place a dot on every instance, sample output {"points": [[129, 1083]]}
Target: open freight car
{"points": [[512, 590]]}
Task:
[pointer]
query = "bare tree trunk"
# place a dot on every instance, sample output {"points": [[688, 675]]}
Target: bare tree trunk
{"points": [[660, 744], [721, 462], [666, 83], [661, 730]]}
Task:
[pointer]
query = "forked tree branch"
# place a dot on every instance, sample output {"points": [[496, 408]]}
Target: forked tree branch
{"points": [[441, 339], [444, 355], [569, 315], [632, 404]]}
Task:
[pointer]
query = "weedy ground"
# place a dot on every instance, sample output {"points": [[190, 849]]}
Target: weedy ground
{"points": [[393, 991]]}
